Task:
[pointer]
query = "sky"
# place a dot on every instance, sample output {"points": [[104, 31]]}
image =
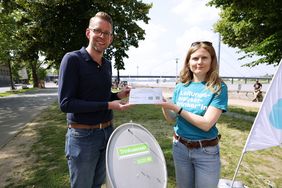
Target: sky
{"points": [[173, 26]]}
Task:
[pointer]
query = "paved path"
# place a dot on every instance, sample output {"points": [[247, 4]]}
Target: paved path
{"points": [[243, 103], [17, 110]]}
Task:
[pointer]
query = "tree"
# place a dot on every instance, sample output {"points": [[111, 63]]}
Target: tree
{"points": [[55, 27], [65, 23], [254, 26], [21, 37], [8, 44]]}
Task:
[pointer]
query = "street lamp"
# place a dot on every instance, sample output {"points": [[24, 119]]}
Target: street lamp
{"points": [[176, 61]]}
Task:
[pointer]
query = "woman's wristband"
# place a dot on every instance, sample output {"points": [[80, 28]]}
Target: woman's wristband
{"points": [[179, 112]]}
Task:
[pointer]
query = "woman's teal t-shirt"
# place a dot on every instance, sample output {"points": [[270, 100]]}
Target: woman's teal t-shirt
{"points": [[195, 97]]}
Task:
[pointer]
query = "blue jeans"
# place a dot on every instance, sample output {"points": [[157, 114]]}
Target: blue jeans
{"points": [[196, 168], [85, 151]]}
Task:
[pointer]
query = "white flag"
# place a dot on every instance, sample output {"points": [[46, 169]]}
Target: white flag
{"points": [[267, 128]]}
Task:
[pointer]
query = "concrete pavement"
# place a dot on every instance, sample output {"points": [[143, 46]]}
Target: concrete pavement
{"points": [[17, 86], [243, 103], [18, 110]]}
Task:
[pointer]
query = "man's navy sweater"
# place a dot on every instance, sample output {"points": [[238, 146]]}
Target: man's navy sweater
{"points": [[85, 88]]}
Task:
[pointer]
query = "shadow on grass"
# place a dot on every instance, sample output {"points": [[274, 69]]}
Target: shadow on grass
{"points": [[248, 111], [234, 123]]}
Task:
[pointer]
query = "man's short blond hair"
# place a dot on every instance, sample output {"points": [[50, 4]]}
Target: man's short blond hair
{"points": [[102, 15]]}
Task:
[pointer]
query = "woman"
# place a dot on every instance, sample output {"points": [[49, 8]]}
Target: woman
{"points": [[198, 101]]}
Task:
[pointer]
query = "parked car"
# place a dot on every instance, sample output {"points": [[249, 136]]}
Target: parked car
{"points": [[55, 81]]}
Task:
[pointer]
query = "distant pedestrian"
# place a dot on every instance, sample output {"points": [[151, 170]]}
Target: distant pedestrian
{"points": [[198, 101], [239, 88], [85, 81], [257, 92]]}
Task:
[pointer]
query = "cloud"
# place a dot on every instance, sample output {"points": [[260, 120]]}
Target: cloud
{"points": [[195, 12], [145, 55], [153, 33], [194, 34], [168, 37]]}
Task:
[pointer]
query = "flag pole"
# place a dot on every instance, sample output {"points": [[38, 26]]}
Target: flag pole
{"points": [[242, 155], [237, 168]]}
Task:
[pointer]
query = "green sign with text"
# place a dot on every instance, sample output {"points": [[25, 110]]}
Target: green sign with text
{"points": [[133, 149]]}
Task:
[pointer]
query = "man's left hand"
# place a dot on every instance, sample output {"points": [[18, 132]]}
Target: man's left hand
{"points": [[124, 92]]}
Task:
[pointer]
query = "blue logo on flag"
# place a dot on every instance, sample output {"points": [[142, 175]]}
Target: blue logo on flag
{"points": [[275, 116]]}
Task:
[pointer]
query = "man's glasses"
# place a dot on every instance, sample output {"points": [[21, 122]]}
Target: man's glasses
{"points": [[100, 32], [199, 42]]}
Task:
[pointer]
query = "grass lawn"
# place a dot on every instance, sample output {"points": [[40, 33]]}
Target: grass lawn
{"points": [[258, 169], [12, 92]]}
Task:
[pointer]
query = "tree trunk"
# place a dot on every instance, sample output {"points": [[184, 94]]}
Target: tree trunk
{"points": [[34, 74], [118, 80], [11, 76]]}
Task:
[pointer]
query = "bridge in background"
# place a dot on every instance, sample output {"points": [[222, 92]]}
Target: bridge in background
{"points": [[236, 85], [229, 79]]}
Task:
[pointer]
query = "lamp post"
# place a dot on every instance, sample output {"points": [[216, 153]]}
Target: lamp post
{"points": [[218, 53], [176, 73]]}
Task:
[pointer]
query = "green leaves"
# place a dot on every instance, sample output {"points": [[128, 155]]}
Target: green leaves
{"points": [[55, 27], [252, 26]]}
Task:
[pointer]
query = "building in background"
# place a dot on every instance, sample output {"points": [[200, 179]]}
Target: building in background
{"points": [[4, 76]]}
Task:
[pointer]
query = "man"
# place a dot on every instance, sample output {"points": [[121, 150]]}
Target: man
{"points": [[257, 92], [85, 81]]}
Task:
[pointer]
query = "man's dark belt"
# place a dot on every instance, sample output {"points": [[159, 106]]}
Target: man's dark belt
{"points": [[198, 144], [85, 126]]}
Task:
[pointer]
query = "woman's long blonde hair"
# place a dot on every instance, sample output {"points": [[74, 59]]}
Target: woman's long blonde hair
{"points": [[213, 81]]}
